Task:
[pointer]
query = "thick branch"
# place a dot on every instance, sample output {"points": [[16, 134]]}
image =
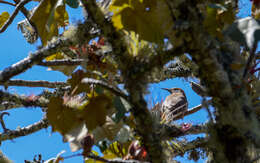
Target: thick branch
{"points": [[141, 114], [24, 131], [8, 101], [32, 59], [39, 83]]}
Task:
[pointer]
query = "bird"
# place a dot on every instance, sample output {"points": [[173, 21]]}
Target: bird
{"points": [[174, 105]]}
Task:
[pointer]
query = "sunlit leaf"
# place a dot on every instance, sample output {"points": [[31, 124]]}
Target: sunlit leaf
{"points": [[3, 17], [117, 149], [144, 17], [66, 70], [48, 16]]}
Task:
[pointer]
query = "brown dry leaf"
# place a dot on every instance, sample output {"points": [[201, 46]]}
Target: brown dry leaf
{"points": [[95, 110], [75, 81], [62, 118]]}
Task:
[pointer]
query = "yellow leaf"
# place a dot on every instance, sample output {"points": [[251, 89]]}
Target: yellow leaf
{"points": [[48, 16], [117, 149], [66, 70], [3, 17], [61, 117], [95, 110], [149, 18]]}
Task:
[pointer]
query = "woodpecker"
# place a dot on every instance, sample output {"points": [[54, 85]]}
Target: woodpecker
{"points": [[174, 105]]}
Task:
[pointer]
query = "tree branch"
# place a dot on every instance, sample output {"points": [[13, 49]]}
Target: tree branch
{"points": [[197, 143], [39, 83], [11, 134], [114, 160], [192, 110], [65, 62], [134, 85], [34, 58], [173, 131], [5, 2], [19, 101], [11, 18], [113, 89]]}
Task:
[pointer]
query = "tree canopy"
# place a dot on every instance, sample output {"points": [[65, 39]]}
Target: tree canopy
{"points": [[112, 56]]}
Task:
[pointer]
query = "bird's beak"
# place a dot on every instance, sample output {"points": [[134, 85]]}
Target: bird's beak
{"points": [[167, 89]]}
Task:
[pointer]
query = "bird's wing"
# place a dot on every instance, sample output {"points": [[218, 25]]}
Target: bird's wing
{"points": [[175, 103]]}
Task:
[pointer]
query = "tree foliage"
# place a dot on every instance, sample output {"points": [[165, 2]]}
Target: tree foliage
{"points": [[135, 40]]}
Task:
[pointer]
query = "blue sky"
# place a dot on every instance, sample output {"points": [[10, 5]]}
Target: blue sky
{"points": [[14, 48]]}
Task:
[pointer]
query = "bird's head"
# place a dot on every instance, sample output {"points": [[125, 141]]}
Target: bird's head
{"points": [[174, 90]]}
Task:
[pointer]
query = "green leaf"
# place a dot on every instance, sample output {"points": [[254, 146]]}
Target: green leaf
{"points": [[245, 31], [73, 3], [3, 17], [122, 107]]}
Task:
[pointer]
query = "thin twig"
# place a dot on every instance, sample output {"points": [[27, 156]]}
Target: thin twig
{"points": [[113, 89], [5, 2], [250, 60], [11, 134], [173, 131], [39, 83], [11, 18], [198, 142], [65, 62], [191, 110], [114, 160], [2, 121]]}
